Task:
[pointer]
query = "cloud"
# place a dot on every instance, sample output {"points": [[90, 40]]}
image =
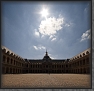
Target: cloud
{"points": [[50, 26], [51, 56], [42, 47], [37, 33], [67, 25], [51, 36], [42, 36], [85, 35], [39, 47], [53, 39], [35, 47]]}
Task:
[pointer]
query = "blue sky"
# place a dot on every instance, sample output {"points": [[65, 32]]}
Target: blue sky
{"points": [[64, 32]]}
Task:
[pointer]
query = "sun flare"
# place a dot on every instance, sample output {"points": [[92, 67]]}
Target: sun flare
{"points": [[44, 12]]}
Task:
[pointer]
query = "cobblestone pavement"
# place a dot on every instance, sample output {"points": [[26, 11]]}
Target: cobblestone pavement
{"points": [[46, 81]]}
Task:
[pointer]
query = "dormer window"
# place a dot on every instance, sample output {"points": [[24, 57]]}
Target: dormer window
{"points": [[87, 52], [83, 54], [77, 56], [12, 54], [8, 52], [4, 50], [80, 55]]}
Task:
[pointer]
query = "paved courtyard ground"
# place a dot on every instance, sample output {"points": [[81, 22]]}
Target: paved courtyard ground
{"points": [[46, 81]]}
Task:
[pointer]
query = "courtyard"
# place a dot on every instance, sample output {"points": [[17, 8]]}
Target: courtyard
{"points": [[46, 81]]}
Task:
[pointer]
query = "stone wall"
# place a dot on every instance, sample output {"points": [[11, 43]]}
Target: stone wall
{"points": [[14, 64]]}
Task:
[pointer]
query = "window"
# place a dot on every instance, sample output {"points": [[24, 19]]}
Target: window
{"points": [[8, 52], [8, 59], [87, 60], [80, 62], [83, 54], [11, 61], [60, 66], [4, 50], [27, 65], [66, 65], [70, 65], [4, 59], [80, 55], [14, 62], [87, 52], [83, 61]]}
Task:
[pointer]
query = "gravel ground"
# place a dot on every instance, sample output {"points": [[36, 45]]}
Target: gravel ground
{"points": [[46, 81]]}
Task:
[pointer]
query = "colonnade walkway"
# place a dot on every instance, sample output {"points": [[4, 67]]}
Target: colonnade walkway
{"points": [[46, 81]]}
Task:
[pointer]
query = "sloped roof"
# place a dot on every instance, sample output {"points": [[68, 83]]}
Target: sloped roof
{"points": [[3, 47], [81, 54]]}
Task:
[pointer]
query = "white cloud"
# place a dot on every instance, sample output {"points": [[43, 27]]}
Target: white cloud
{"points": [[88, 36], [50, 26], [35, 47], [85, 35], [53, 39], [39, 47], [52, 57], [37, 33], [51, 36], [67, 25], [43, 47], [42, 36]]}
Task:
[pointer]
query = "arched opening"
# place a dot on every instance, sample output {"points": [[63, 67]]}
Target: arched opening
{"points": [[83, 61], [7, 70], [11, 61], [87, 52], [4, 59], [10, 70], [8, 60], [14, 70]]}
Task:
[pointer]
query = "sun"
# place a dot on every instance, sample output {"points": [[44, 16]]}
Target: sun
{"points": [[44, 12]]}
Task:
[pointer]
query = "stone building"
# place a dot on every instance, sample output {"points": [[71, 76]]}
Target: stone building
{"points": [[14, 64]]}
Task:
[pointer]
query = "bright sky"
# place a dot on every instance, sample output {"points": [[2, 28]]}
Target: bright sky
{"points": [[29, 28]]}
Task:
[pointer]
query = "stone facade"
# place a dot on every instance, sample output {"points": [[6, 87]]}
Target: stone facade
{"points": [[14, 64]]}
